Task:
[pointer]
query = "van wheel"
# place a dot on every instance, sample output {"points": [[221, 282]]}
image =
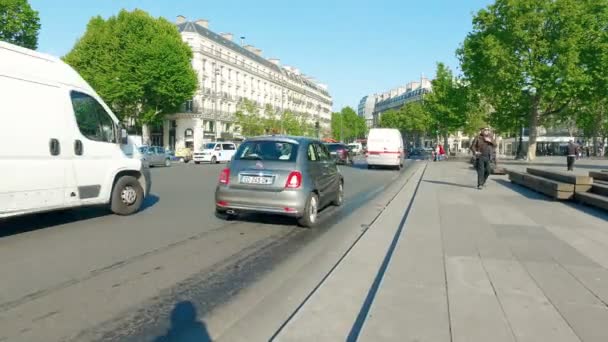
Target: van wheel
{"points": [[369, 167], [213, 160], [127, 196], [311, 211], [197, 162], [167, 162]]}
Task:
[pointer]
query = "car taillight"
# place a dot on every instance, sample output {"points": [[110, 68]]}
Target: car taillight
{"points": [[294, 180], [342, 152], [225, 176]]}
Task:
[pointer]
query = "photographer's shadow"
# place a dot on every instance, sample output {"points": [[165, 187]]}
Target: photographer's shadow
{"points": [[184, 325]]}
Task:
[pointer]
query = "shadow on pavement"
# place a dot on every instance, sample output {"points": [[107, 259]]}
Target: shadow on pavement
{"points": [[522, 190], [31, 222], [185, 327], [450, 184], [578, 163]]}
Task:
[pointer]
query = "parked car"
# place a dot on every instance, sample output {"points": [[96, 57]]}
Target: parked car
{"points": [[292, 176], [341, 153], [215, 152], [385, 148], [355, 148], [69, 142], [184, 154], [155, 156]]}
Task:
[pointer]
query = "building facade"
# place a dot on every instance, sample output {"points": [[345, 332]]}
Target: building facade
{"points": [[398, 97], [229, 73], [366, 108]]}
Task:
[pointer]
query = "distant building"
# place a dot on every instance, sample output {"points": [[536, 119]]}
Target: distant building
{"points": [[227, 74], [398, 97], [366, 108]]}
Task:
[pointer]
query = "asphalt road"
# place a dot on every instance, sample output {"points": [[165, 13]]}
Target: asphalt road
{"points": [[89, 275]]}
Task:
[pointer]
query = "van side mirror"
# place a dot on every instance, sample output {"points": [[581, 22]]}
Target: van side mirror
{"points": [[124, 137]]}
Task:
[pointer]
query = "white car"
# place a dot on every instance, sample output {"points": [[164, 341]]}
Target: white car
{"points": [[385, 148], [215, 152], [69, 141], [356, 148]]}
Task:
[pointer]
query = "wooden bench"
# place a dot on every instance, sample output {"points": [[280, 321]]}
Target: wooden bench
{"points": [[549, 187], [581, 183]]}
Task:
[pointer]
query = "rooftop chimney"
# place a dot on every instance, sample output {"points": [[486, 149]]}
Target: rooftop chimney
{"points": [[180, 19], [227, 36], [250, 48], [203, 22], [275, 61], [258, 51]]}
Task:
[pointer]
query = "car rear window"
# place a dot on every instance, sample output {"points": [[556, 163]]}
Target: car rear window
{"points": [[267, 150], [334, 147]]}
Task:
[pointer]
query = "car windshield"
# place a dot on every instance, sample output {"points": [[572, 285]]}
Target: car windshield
{"points": [[335, 147], [267, 150], [208, 146], [143, 149]]}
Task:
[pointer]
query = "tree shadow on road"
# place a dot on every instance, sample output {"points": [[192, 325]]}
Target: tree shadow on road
{"points": [[185, 326]]}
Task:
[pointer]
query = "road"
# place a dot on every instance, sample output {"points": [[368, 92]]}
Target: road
{"points": [[88, 275]]}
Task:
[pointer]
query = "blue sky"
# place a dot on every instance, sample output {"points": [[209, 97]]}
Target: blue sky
{"points": [[356, 47]]}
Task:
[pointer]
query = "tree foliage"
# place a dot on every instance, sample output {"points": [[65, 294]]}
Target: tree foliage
{"points": [[447, 103], [254, 123], [19, 23], [346, 125], [535, 56], [138, 64]]}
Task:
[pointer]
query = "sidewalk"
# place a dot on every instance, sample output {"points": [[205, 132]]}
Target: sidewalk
{"points": [[501, 264]]}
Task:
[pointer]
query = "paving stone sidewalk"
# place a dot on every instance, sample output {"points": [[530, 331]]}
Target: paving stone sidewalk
{"points": [[500, 264]]}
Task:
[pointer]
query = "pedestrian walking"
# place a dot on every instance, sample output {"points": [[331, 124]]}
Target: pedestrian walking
{"points": [[573, 151], [483, 149]]}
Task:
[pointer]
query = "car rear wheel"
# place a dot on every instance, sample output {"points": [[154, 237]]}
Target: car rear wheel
{"points": [[197, 162], [311, 211], [127, 196], [167, 162], [213, 160], [339, 196]]}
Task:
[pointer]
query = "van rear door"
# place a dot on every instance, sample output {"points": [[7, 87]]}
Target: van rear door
{"points": [[34, 159]]}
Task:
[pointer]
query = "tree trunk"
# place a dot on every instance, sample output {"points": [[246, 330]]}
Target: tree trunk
{"points": [[533, 134], [519, 154], [446, 145], [595, 149], [145, 134]]}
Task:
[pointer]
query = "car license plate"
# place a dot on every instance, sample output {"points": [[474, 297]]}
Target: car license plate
{"points": [[256, 180]]}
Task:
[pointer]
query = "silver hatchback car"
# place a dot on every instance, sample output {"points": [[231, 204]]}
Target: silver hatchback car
{"points": [[284, 175]]}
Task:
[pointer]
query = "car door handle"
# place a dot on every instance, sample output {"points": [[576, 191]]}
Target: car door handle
{"points": [[54, 147], [78, 148]]}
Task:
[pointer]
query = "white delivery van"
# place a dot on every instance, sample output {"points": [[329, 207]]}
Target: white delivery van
{"points": [[385, 148], [214, 152], [60, 143]]}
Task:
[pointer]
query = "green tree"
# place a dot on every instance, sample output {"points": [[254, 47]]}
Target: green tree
{"points": [[138, 64], [249, 120], [447, 104], [346, 125], [532, 48], [19, 23]]}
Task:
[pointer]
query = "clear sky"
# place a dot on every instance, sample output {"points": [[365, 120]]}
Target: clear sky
{"points": [[355, 47]]}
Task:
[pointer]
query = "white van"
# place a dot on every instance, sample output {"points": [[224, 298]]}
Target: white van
{"points": [[61, 144], [215, 152], [385, 148]]}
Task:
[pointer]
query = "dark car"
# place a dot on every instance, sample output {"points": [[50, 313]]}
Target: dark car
{"points": [[341, 153], [292, 176]]}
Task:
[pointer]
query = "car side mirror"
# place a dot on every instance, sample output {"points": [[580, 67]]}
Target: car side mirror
{"points": [[217, 148], [124, 137]]}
